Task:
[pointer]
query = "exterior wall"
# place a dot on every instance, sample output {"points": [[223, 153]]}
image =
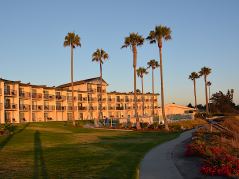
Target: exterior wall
{"points": [[31, 103], [175, 109]]}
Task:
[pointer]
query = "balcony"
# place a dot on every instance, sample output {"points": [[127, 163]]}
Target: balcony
{"points": [[37, 107], [92, 108], [10, 106], [25, 95], [111, 99], [37, 96], [60, 108], [111, 108], [24, 107], [60, 98], [82, 108], [69, 108], [91, 90], [92, 99], [0, 91], [103, 100], [69, 98], [103, 108], [120, 108], [49, 107], [48, 97], [10, 92]]}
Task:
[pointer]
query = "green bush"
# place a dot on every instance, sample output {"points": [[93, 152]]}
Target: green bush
{"points": [[9, 127]]}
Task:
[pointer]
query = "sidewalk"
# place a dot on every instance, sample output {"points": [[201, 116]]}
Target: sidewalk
{"points": [[159, 163]]}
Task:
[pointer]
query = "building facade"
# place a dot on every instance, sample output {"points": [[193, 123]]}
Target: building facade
{"points": [[21, 102]]}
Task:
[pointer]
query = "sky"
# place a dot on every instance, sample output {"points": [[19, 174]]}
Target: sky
{"points": [[204, 33]]}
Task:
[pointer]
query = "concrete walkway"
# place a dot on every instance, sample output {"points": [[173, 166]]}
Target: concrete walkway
{"points": [[159, 163]]}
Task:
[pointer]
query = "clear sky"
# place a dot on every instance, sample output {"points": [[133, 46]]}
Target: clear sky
{"points": [[205, 33]]}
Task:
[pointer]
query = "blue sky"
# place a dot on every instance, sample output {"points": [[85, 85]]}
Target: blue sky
{"points": [[205, 33]]}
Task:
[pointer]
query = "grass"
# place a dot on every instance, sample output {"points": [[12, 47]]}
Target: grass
{"points": [[54, 150]]}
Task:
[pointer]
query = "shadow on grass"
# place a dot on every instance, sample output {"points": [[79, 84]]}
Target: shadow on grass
{"points": [[40, 170], [10, 136]]}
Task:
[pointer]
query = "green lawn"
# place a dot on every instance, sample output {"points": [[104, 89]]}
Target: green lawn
{"points": [[53, 150]]}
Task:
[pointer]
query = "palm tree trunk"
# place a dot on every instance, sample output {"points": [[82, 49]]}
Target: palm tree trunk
{"points": [[100, 115], [135, 95], [153, 91], [205, 80], [142, 83], [162, 88], [72, 87], [195, 95]]}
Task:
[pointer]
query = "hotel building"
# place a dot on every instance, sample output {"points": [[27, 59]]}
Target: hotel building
{"points": [[24, 102]]}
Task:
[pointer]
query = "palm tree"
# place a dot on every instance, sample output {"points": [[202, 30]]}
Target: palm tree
{"points": [[205, 71], [153, 64], [193, 76], [157, 35], [141, 71], [99, 56], [72, 40], [132, 41]]}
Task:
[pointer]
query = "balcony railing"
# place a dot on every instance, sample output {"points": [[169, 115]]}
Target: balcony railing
{"points": [[60, 108], [48, 96], [92, 108], [36, 96], [111, 108], [49, 107], [111, 99], [92, 99], [37, 107], [69, 98], [120, 108], [26, 95], [69, 108], [82, 108], [91, 90], [60, 98], [10, 92], [11, 106], [24, 107]]}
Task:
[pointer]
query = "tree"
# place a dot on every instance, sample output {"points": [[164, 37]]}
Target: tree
{"points": [[223, 103], [99, 56], [205, 71], [157, 35], [72, 40], [190, 105], [132, 41], [193, 76], [153, 64], [141, 71]]}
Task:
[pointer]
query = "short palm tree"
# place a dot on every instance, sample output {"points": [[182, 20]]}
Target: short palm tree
{"points": [[132, 41], [157, 35], [141, 71], [193, 76], [72, 40], [99, 56], [153, 64], [205, 71]]}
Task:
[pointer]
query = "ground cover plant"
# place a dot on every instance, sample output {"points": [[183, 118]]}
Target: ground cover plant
{"points": [[218, 149], [59, 150]]}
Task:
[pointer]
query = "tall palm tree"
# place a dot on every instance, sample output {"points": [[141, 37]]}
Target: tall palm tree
{"points": [[132, 41], [157, 35], [141, 71], [193, 76], [205, 71], [153, 64], [99, 56], [72, 40]]}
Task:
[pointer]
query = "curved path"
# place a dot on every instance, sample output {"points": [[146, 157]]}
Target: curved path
{"points": [[159, 163]]}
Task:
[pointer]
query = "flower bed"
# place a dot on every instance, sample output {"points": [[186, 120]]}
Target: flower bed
{"points": [[216, 160]]}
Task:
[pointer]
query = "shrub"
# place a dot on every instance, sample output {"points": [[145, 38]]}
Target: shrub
{"points": [[9, 127]]}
